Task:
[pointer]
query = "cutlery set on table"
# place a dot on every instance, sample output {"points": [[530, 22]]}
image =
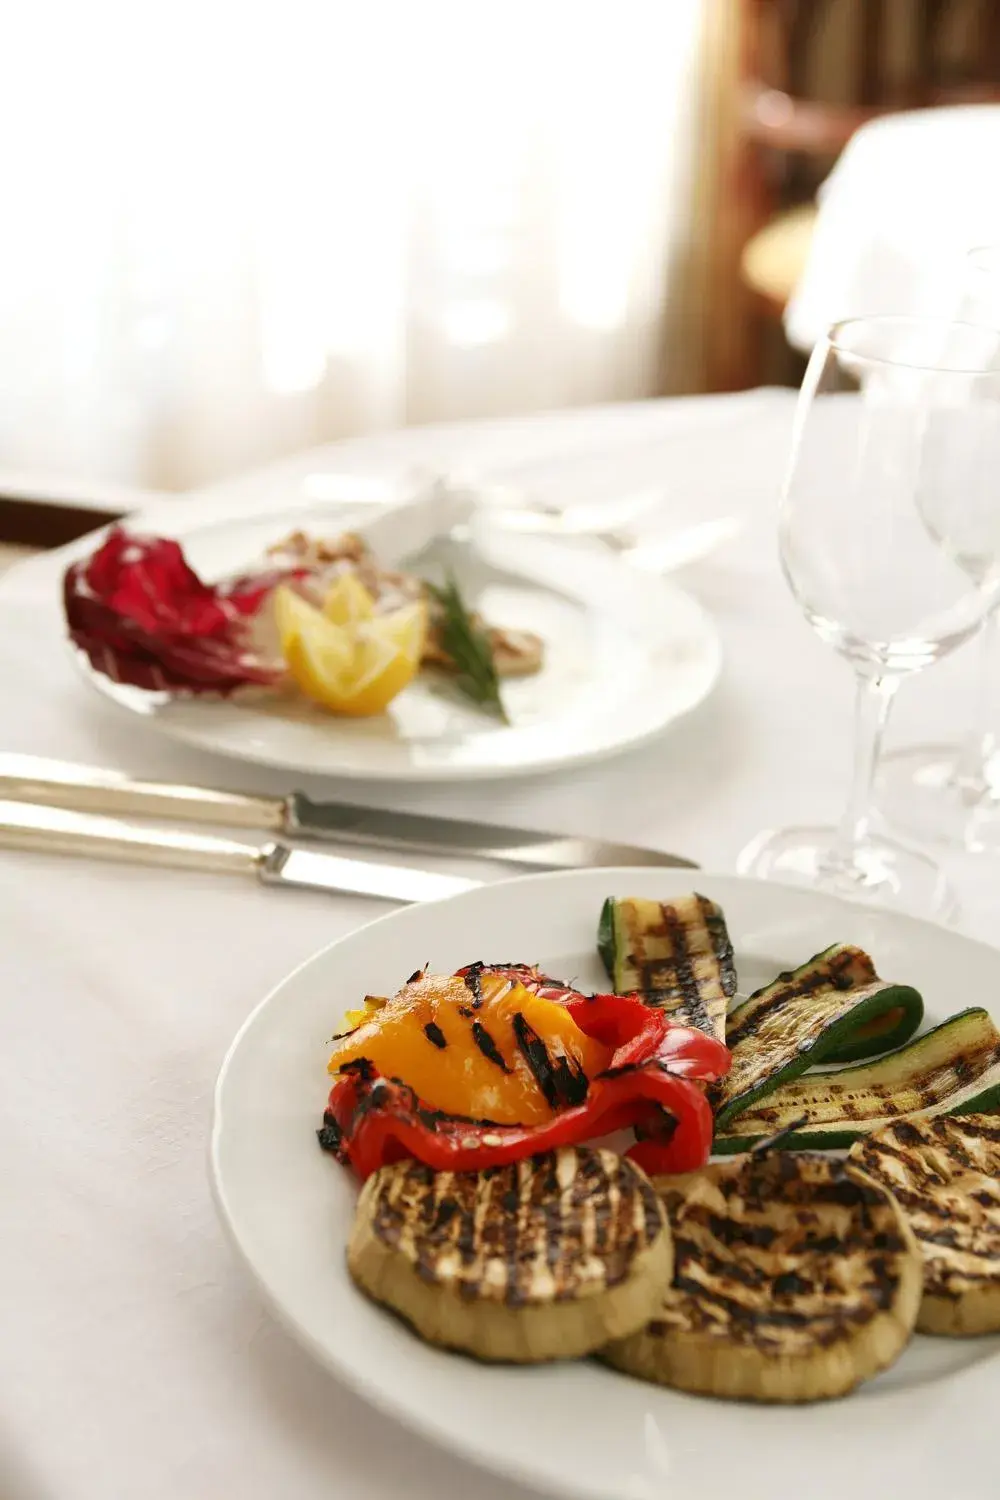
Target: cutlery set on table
{"points": [[70, 809]]}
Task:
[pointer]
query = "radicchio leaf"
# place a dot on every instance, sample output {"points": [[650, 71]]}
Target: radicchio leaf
{"points": [[143, 617]]}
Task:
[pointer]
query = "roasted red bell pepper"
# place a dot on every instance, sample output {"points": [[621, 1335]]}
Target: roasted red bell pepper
{"points": [[652, 1083]]}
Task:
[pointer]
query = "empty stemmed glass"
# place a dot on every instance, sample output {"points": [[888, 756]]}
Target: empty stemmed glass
{"points": [[951, 792], [889, 536]]}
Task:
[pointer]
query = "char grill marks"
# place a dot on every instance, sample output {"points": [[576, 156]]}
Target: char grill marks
{"points": [[856, 1096], [564, 1225], [944, 1173], [488, 1046], [560, 1078], [846, 969], [784, 1255], [773, 1032], [683, 961], [473, 977]]}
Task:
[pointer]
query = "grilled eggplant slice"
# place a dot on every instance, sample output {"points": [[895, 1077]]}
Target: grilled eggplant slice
{"points": [[952, 1070], [830, 1009], [545, 1259], [675, 954], [796, 1278], [945, 1174]]}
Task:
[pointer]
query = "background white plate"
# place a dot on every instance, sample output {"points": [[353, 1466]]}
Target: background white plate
{"points": [[924, 1430], [626, 654]]}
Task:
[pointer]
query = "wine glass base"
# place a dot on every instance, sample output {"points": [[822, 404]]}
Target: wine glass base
{"points": [[880, 870], [923, 793]]}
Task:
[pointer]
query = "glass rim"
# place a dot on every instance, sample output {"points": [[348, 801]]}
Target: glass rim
{"points": [[910, 320]]}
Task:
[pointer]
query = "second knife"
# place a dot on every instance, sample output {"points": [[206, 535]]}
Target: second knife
{"points": [[56, 783]]}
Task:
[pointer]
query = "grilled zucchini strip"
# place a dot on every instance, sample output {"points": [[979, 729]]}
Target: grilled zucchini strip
{"points": [[830, 1009], [796, 1278], [544, 1259], [952, 1070], [675, 954], [944, 1172]]}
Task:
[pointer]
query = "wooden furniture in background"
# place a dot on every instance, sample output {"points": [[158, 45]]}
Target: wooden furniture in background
{"points": [[810, 73]]}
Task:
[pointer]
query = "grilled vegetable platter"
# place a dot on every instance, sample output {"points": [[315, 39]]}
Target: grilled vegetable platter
{"points": [[757, 1197]]}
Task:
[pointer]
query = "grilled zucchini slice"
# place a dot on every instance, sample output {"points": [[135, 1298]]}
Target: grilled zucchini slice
{"points": [[675, 954], [545, 1259], [952, 1070], [945, 1175], [830, 1009], [796, 1278]]}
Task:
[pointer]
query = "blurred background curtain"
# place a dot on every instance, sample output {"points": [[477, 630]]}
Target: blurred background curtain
{"points": [[236, 230]]}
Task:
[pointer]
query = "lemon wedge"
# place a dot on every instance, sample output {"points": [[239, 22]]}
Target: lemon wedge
{"points": [[348, 601], [292, 615], [356, 668], [404, 628]]}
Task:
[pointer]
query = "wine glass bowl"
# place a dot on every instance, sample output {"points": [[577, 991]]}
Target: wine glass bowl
{"points": [[891, 549]]}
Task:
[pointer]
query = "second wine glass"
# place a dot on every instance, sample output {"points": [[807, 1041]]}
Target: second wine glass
{"points": [[951, 792], [889, 539]]}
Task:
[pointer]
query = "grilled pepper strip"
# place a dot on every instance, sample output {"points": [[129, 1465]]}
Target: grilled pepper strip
{"points": [[628, 1024], [652, 1083], [372, 1121]]}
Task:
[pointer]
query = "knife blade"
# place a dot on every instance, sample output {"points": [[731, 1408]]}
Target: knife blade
{"points": [[54, 830], [93, 789]]}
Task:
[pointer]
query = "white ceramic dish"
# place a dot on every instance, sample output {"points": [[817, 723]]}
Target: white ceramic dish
{"points": [[626, 655], [923, 1430]]}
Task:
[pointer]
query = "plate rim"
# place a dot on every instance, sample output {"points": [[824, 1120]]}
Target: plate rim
{"points": [[452, 1439], [127, 700]]}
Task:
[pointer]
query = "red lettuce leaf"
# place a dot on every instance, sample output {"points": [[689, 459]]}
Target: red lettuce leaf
{"points": [[143, 617]]}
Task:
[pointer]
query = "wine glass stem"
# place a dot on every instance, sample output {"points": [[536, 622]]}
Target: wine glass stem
{"points": [[874, 697], [981, 742]]}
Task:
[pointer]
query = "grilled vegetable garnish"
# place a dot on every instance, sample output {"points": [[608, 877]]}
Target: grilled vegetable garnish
{"points": [[795, 1279], [547, 1259], [473, 1045], [945, 1174], [830, 1009], [954, 1069], [676, 954], [482, 1068]]}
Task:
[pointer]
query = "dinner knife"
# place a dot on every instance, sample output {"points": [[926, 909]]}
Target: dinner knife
{"points": [[54, 830], [27, 778]]}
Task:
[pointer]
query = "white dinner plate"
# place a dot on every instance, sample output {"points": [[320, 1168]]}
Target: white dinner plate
{"points": [[923, 1430], [626, 653]]}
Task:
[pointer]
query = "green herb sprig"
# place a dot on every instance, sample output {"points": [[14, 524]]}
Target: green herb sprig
{"points": [[468, 645]]}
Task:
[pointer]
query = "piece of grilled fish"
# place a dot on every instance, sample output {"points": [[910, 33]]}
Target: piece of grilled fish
{"points": [[795, 1279], [945, 1174], [545, 1259]]}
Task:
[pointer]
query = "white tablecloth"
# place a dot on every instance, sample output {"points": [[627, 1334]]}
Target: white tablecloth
{"points": [[136, 1362], [908, 197]]}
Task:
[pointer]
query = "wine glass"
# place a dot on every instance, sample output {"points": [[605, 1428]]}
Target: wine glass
{"points": [[889, 534], [951, 792]]}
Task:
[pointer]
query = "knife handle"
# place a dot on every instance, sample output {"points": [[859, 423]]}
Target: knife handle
{"points": [[53, 830], [56, 783]]}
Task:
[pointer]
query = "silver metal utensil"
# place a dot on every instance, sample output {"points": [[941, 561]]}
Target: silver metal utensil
{"points": [[54, 830], [654, 554], [26, 778]]}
